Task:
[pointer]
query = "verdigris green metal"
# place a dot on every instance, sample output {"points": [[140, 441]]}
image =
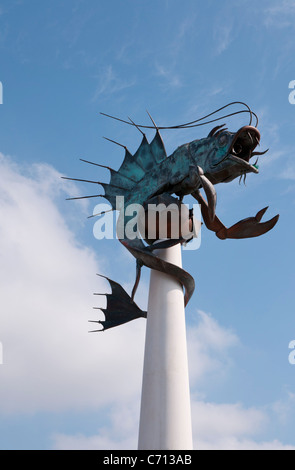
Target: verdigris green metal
{"points": [[220, 157]]}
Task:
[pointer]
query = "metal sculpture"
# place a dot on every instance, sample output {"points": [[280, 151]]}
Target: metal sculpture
{"points": [[220, 157]]}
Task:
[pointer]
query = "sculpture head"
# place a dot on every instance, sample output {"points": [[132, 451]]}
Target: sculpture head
{"points": [[228, 154]]}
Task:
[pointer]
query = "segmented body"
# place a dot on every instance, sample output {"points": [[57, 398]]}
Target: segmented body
{"points": [[220, 157], [146, 174]]}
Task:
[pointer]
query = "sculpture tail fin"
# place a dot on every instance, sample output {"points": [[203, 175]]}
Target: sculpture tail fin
{"points": [[120, 308]]}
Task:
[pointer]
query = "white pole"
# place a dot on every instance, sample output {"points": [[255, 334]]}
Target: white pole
{"points": [[165, 416]]}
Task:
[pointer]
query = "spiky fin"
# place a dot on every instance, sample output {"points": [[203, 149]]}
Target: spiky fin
{"points": [[134, 168], [157, 148], [144, 155], [131, 168]]}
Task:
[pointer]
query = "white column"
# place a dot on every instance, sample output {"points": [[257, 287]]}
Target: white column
{"points": [[165, 416]]}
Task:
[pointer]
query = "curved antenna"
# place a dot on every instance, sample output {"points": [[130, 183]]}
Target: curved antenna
{"points": [[196, 122], [223, 107], [179, 126]]}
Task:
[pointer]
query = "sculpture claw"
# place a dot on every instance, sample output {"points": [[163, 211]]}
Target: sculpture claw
{"points": [[248, 228], [210, 194]]}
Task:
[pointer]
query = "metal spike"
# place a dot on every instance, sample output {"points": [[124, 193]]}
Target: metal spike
{"points": [[245, 175], [214, 130], [101, 213], [83, 197], [156, 127], [78, 179], [117, 143], [136, 126], [240, 179], [101, 275], [220, 131], [114, 117], [96, 164]]}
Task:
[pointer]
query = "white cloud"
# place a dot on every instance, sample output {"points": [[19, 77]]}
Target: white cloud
{"points": [[208, 348], [284, 409], [51, 363], [215, 424], [232, 443], [47, 280], [215, 427], [121, 433]]}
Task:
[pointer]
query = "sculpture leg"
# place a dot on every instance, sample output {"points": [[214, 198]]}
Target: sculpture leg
{"points": [[246, 228]]}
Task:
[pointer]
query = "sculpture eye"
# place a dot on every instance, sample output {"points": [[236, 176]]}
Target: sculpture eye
{"points": [[222, 140]]}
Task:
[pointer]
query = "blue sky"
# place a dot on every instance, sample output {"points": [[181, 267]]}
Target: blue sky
{"points": [[62, 63]]}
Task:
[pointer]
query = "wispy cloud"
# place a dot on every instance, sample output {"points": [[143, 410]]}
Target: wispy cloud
{"points": [[168, 69], [110, 83], [280, 14], [170, 76], [223, 37], [288, 172]]}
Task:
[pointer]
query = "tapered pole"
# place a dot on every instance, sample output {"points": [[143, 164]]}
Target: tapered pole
{"points": [[165, 415]]}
